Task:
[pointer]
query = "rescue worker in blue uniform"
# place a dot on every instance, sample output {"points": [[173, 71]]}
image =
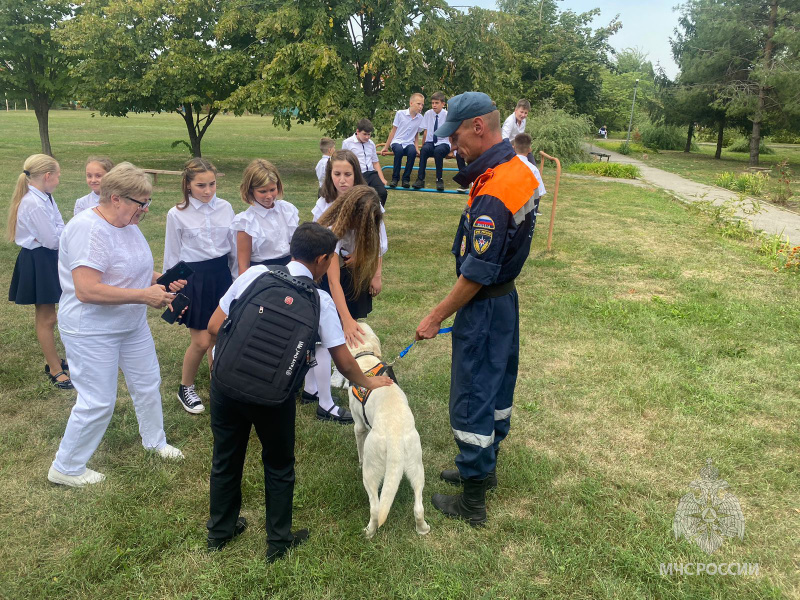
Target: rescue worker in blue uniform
{"points": [[491, 245]]}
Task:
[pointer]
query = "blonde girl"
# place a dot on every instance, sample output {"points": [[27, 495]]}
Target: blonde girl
{"points": [[96, 167], [198, 233], [35, 225], [264, 230]]}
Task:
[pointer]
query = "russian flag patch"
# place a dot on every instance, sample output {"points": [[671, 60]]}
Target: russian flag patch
{"points": [[484, 222]]}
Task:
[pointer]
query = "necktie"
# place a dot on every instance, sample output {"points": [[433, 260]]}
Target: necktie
{"points": [[51, 197], [366, 161], [435, 127]]}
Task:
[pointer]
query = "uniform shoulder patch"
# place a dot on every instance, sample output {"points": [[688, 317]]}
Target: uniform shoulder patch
{"points": [[481, 240], [484, 222]]}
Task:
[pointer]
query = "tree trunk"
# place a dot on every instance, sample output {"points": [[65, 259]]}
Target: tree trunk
{"points": [[41, 106], [720, 133], [689, 138], [755, 138], [194, 139]]}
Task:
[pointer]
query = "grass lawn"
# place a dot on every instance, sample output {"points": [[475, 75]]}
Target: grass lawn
{"points": [[649, 343], [701, 165]]}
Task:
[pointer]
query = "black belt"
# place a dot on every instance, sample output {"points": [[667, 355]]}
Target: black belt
{"points": [[494, 291]]}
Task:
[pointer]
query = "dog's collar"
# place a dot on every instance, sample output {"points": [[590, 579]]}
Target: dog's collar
{"points": [[367, 353]]}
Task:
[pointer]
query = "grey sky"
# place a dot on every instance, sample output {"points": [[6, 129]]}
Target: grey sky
{"points": [[646, 25]]}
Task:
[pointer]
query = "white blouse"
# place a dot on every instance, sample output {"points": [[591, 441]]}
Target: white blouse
{"points": [[90, 200], [39, 222], [122, 255], [271, 229], [201, 231]]}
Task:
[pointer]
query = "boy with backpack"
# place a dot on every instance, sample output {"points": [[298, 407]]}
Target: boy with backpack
{"points": [[266, 326]]}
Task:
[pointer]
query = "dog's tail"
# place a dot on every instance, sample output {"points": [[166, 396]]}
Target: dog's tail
{"points": [[391, 478]]}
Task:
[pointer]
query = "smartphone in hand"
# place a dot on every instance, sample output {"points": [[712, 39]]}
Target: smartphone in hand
{"points": [[178, 304], [179, 271]]}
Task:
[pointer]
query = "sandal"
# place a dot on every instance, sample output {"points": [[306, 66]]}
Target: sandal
{"points": [[64, 366], [66, 384]]}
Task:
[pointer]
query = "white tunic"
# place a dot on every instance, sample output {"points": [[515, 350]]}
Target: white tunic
{"points": [[511, 129], [429, 125], [320, 169], [122, 255], [201, 231], [271, 229], [39, 222], [330, 328], [90, 200], [365, 151], [407, 127], [348, 243]]}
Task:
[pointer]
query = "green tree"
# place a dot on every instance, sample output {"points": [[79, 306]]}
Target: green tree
{"points": [[337, 61], [613, 106], [159, 55], [33, 64]]}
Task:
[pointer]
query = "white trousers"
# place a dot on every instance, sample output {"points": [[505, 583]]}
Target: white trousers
{"points": [[94, 363]]}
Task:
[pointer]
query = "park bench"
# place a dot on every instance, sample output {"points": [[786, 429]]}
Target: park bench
{"points": [[601, 156], [156, 172]]}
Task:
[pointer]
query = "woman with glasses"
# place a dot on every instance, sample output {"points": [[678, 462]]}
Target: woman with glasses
{"points": [[106, 273]]}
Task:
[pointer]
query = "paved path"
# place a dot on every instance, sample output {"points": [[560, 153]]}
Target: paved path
{"points": [[771, 219]]}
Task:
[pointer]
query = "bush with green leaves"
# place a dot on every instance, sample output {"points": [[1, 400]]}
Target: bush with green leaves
{"points": [[606, 169], [743, 145], [748, 183], [664, 137], [559, 133]]}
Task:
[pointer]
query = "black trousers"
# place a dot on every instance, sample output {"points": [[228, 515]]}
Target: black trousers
{"points": [[374, 181], [438, 152], [230, 424]]}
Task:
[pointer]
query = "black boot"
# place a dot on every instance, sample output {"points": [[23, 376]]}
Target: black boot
{"points": [[452, 476], [470, 505]]}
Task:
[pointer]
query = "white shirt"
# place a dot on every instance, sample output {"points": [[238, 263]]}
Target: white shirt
{"points": [[123, 257], [330, 328], [365, 151], [511, 129], [38, 221], [90, 200], [271, 229], [320, 168], [201, 231], [407, 127], [536, 174], [348, 243], [428, 123]]}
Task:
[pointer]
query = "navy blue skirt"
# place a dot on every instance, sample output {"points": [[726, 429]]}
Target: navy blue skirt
{"points": [[209, 282], [35, 278]]}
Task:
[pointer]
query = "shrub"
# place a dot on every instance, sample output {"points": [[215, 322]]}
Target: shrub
{"points": [[709, 134], [743, 145], [749, 183], [606, 169], [627, 148], [559, 133], [664, 137], [784, 137]]}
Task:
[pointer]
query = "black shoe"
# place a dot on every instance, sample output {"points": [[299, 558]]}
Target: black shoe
{"points": [[419, 184], [453, 477], [65, 384], [335, 414], [469, 506], [215, 544], [298, 537], [64, 366], [406, 183], [439, 185], [393, 183], [306, 398]]}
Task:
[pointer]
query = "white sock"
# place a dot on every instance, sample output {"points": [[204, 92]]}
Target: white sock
{"points": [[322, 376]]}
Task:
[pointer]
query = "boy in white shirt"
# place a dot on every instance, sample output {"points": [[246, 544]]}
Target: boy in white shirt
{"points": [[361, 144], [403, 139], [522, 146], [432, 144], [516, 121], [326, 146]]}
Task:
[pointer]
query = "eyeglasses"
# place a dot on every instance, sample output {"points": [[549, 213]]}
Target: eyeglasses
{"points": [[142, 205]]}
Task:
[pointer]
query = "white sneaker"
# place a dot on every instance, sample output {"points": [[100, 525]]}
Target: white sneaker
{"points": [[88, 478], [190, 401], [170, 452]]}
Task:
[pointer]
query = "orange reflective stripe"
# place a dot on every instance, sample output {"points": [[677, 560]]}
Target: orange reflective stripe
{"points": [[512, 182]]}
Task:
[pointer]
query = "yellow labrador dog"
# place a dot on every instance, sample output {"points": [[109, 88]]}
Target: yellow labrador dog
{"points": [[388, 443]]}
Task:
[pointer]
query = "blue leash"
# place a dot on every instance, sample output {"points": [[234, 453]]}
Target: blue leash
{"points": [[407, 348]]}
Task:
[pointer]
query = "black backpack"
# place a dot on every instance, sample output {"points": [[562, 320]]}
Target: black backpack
{"points": [[266, 345]]}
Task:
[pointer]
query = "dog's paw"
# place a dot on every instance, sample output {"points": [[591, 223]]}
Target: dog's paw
{"points": [[425, 529]]}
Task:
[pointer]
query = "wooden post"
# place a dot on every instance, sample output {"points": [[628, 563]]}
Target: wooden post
{"points": [[555, 196]]}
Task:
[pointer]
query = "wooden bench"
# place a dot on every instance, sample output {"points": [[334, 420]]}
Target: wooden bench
{"points": [[156, 172], [601, 156]]}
